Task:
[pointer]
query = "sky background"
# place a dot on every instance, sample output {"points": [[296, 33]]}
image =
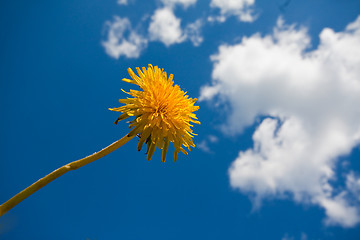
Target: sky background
{"points": [[277, 152]]}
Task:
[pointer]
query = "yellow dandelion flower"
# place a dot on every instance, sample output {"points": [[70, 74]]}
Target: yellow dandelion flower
{"points": [[162, 112]]}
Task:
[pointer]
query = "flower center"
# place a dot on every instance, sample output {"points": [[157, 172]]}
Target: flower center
{"points": [[161, 108]]}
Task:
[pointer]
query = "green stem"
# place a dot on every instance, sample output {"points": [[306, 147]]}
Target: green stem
{"points": [[12, 202]]}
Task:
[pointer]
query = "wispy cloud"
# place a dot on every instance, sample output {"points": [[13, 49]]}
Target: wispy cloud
{"points": [[204, 145], [312, 99], [122, 2], [193, 32], [183, 3], [303, 236]]}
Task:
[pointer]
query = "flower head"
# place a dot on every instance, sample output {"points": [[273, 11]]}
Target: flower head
{"points": [[162, 112]]}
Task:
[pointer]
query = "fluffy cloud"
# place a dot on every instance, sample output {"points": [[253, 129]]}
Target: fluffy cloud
{"points": [[309, 102], [165, 27], [240, 8], [184, 3], [123, 40]]}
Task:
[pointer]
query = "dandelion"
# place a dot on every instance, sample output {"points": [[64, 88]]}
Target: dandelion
{"points": [[162, 112]]}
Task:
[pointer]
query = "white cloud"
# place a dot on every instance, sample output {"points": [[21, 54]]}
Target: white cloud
{"points": [[353, 184], [184, 3], [193, 32], [204, 144], [165, 27], [123, 40], [240, 8], [310, 100], [339, 211], [122, 2]]}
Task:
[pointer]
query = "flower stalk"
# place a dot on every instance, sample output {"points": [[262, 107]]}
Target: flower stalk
{"points": [[12, 202]]}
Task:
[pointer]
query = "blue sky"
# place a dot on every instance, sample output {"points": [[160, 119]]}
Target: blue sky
{"points": [[277, 152]]}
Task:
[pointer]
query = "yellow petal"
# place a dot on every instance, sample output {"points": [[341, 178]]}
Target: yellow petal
{"points": [[166, 146], [151, 151]]}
